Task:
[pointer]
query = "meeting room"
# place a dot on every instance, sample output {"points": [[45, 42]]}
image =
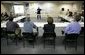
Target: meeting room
{"points": [[42, 27]]}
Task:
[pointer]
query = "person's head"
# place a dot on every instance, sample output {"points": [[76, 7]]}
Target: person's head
{"points": [[50, 20], [67, 9], [11, 13], [27, 15], [10, 19], [70, 13], [62, 9], [5, 12], [28, 19], [83, 12], [75, 13], [1, 13], [77, 17]]}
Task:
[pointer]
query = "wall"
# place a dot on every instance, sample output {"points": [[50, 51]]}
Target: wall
{"points": [[52, 9], [6, 8], [2, 8]]}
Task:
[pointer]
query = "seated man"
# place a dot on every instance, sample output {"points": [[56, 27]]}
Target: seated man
{"points": [[74, 27], [12, 26], [6, 16], [28, 27], [49, 28], [70, 14]]}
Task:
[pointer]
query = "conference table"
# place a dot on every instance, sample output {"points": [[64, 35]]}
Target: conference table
{"points": [[58, 26], [15, 20], [69, 19], [66, 18]]}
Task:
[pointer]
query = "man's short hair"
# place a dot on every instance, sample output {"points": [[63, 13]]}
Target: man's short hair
{"points": [[10, 18], [77, 17], [27, 18]]}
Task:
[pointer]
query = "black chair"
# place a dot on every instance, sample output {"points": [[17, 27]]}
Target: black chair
{"points": [[70, 39], [28, 37], [49, 37], [11, 35], [3, 32]]}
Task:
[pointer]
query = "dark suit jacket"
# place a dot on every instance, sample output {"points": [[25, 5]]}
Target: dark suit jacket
{"points": [[49, 30], [49, 27]]}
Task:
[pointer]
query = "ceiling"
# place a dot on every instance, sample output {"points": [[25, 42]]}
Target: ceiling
{"points": [[21, 2]]}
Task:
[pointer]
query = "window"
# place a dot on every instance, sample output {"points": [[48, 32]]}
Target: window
{"points": [[19, 9]]}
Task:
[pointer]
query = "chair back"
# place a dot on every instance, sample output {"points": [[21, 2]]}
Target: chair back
{"points": [[27, 35], [49, 35], [10, 32], [72, 36]]}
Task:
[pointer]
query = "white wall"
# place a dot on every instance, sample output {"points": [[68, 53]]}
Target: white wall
{"points": [[52, 9], [2, 8], [6, 8]]}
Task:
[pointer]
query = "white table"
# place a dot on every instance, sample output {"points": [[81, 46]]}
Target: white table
{"points": [[58, 26], [70, 19], [18, 18], [66, 18], [3, 23], [41, 24]]}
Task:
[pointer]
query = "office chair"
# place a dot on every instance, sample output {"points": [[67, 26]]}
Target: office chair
{"points": [[28, 37], [70, 39], [3, 32], [11, 35], [49, 37]]}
